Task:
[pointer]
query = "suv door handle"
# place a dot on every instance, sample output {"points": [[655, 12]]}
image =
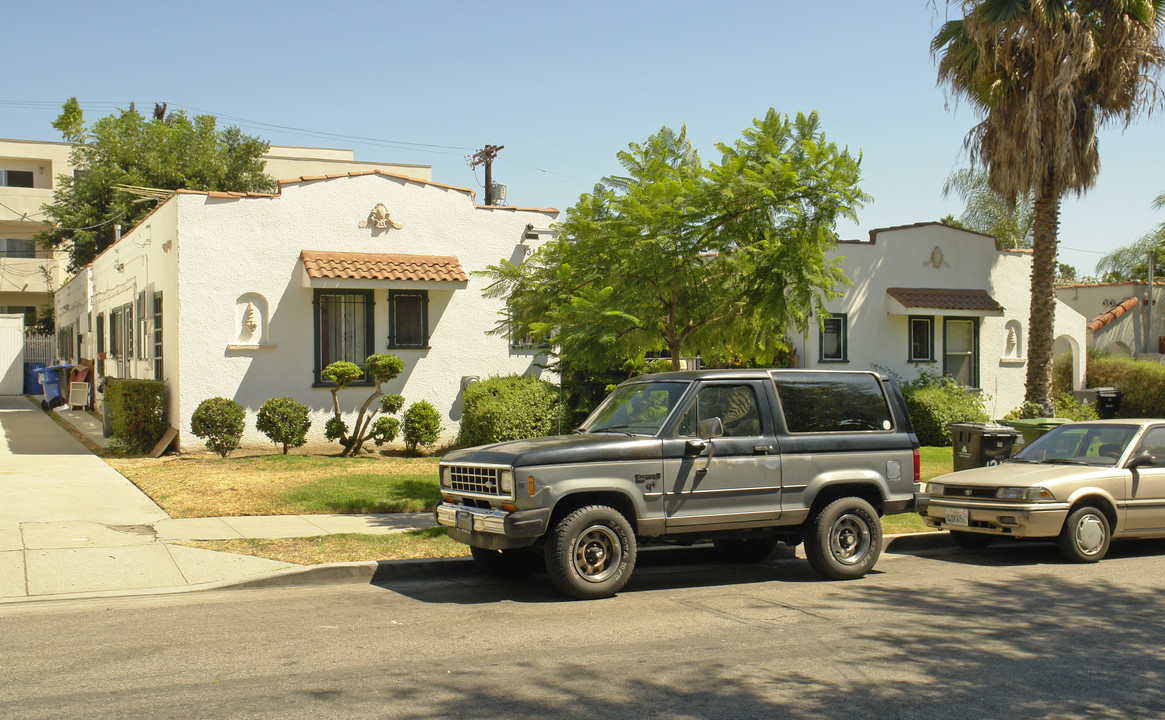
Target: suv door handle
{"points": [[762, 449]]}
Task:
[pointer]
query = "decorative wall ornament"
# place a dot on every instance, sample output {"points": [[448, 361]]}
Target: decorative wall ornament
{"points": [[251, 319], [379, 218], [1012, 343], [936, 259]]}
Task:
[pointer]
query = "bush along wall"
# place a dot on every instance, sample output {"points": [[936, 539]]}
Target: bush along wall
{"points": [[138, 410], [1141, 383], [512, 407], [936, 402]]}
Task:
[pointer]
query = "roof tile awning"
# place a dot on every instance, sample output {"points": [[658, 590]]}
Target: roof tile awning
{"points": [[354, 269], [910, 301]]}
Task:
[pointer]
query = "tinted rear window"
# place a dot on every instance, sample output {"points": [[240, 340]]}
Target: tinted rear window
{"points": [[832, 402]]}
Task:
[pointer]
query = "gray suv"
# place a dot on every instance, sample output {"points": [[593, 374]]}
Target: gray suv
{"points": [[740, 458]]}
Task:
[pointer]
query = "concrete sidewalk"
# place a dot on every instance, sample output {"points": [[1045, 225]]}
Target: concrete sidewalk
{"points": [[72, 526]]}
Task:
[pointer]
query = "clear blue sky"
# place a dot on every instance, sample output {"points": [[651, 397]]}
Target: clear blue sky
{"points": [[563, 86]]}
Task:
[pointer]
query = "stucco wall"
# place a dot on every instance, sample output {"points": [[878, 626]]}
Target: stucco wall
{"points": [[905, 257], [236, 250], [1124, 335]]}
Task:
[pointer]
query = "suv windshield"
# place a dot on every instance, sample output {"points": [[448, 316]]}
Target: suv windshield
{"points": [[636, 409], [1093, 444]]}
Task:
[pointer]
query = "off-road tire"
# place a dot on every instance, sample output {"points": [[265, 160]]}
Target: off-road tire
{"points": [[844, 539], [591, 552], [1085, 536], [745, 550]]}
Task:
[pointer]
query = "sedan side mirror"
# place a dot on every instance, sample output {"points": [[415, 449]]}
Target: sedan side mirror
{"points": [[1142, 460]]}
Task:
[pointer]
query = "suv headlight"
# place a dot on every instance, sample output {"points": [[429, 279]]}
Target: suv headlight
{"points": [[1030, 494], [443, 473], [506, 481]]}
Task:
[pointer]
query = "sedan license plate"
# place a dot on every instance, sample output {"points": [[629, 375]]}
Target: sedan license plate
{"points": [[959, 518], [465, 521]]}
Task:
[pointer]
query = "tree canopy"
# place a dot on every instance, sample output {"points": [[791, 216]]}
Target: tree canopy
{"points": [[1044, 76], [988, 212], [682, 258], [167, 152], [1131, 262]]}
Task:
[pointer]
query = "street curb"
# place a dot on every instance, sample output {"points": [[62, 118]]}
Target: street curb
{"points": [[367, 572], [908, 542]]}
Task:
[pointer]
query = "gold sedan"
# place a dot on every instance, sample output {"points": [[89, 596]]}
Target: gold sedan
{"points": [[1082, 484]]}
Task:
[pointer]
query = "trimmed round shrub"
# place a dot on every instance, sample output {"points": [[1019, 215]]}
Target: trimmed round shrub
{"points": [[284, 421], [514, 407], [422, 425], [934, 403], [219, 421]]}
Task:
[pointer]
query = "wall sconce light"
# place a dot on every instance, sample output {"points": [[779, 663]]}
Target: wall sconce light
{"points": [[532, 233], [119, 266]]}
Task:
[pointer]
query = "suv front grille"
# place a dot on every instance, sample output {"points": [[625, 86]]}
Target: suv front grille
{"points": [[471, 479]]}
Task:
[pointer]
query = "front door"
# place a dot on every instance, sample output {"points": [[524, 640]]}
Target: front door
{"points": [[1146, 505], [731, 481]]}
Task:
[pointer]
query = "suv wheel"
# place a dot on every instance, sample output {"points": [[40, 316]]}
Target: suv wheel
{"points": [[591, 552], [844, 539]]}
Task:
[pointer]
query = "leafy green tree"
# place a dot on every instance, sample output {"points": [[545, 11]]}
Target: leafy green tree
{"points": [[126, 148], [284, 421], [381, 368], [1044, 76], [678, 257], [1132, 261], [988, 212]]}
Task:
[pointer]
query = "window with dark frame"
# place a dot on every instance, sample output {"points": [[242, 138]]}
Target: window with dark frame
{"points": [[157, 335], [408, 318], [17, 247], [961, 350], [343, 329], [833, 339], [16, 178], [921, 339]]}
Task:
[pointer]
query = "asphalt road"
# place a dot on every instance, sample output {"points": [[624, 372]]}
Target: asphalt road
{"points": [[1003, 633]]}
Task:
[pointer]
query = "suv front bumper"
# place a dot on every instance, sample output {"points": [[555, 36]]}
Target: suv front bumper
{"points": [[490, 528]]}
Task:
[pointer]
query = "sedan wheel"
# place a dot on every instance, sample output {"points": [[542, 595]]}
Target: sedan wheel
{"points": [[1085, 536]]}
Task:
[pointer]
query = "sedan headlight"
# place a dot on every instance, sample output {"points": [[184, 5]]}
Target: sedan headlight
{"points": [[936, 489], [1030, 494]]}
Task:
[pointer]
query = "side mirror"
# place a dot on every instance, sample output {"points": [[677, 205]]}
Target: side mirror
{"points": [[710, 428], [1142, 460]]}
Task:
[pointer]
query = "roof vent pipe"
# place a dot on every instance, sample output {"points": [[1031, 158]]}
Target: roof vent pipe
{"points": [[116, 232]]}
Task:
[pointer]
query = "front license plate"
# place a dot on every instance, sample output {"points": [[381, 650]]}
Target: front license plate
{"points": [[465, 521], [959, 518]]}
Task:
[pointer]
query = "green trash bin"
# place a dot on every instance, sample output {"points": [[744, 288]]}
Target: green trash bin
{"points": [[1032, 428]]}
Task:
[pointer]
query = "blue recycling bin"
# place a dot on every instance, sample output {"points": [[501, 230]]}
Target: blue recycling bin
{"points": [[32, 378], [50, 380]]}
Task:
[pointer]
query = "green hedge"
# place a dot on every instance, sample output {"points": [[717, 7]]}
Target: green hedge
{"points": [[511, 408], [934, 403], [1141, 383], [139, 413]]}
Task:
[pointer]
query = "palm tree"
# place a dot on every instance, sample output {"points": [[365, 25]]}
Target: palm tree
{"points": [[1044, 75], [1131, 261], [988, 212]]}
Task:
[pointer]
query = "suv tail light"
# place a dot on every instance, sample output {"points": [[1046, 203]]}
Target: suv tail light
{"points": [[917, 465]]}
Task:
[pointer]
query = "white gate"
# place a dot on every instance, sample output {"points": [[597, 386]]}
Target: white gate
{"points": [[11, 354], [41, 349]]}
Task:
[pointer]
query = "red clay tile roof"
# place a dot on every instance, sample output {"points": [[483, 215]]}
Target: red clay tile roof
{"points": [[945, 299], [1116, 311], [382, 266]]}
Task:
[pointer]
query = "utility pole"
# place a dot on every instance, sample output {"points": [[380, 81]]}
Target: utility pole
{"points": [[486, 157]]}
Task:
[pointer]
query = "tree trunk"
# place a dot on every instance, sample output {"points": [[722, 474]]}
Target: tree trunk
{"points": [[1041, 323]]}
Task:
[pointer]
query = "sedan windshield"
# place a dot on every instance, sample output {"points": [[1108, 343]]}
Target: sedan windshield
{"points": [[1080, 443], [636, 409]]}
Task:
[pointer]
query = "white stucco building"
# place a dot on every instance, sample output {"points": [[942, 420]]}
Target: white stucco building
{"points": [[250, 296], [940, 299], [1120, 322]]}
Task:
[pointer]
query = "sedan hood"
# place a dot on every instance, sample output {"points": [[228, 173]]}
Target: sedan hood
{"points": [[1026, 474], [557, 449]]}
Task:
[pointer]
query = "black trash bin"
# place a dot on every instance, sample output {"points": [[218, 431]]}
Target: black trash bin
{"points": [[979, 444], [1108, 402]]}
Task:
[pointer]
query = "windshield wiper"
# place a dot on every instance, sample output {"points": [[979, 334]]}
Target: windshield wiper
{"points": [[1023, 460], [614, 428], [1066, 461]]}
